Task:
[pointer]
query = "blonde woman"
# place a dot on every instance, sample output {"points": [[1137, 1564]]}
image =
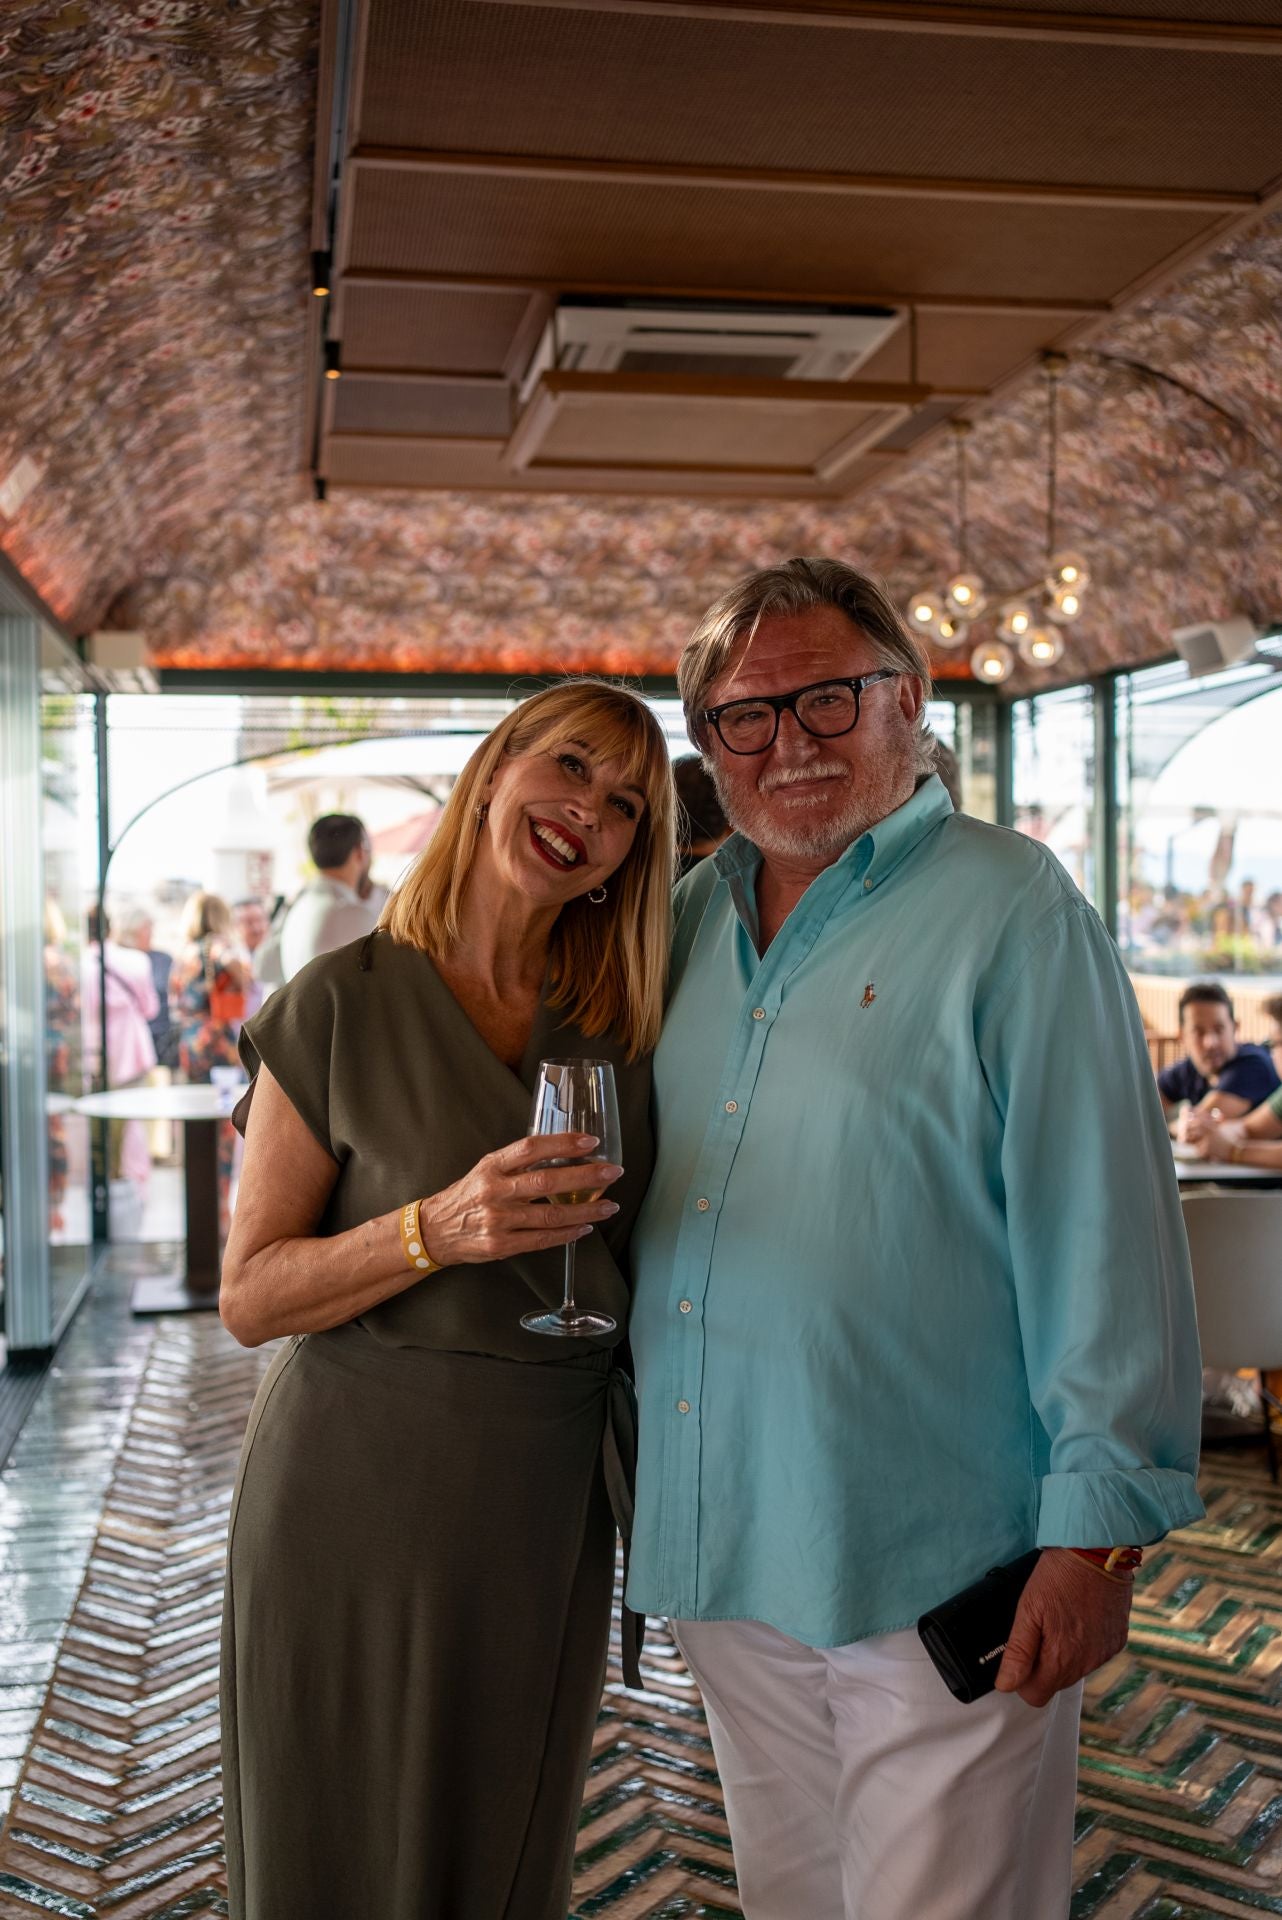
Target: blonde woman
{"points": [[422, 1543]]}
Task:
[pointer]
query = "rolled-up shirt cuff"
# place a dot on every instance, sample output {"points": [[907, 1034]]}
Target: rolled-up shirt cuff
{"points": [[1129, 1507]]}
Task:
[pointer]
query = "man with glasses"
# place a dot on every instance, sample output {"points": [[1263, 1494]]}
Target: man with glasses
{"points": [[911, 1292]]}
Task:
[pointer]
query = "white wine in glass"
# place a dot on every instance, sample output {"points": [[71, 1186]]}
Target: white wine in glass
{"points": [[576, 1096]]}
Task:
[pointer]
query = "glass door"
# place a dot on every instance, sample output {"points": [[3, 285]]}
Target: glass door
{"points": [[48, 833]]}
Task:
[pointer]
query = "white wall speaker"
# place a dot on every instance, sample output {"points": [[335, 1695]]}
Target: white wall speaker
{"points": [[1213, 645]]}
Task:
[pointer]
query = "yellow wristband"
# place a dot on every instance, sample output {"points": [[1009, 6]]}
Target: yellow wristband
{"points": [[416, 1254]]}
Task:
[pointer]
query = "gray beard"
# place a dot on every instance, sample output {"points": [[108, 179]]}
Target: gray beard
{"points": [[821, 836], [801, 837]]}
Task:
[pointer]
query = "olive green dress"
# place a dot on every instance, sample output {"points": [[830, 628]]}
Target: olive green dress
{"points": [[422, 1543]]}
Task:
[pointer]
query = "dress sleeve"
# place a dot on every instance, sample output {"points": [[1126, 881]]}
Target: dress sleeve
{"points": [[1100, 1261], [292, 1035]]}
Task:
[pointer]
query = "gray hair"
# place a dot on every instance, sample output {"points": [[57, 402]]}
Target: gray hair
{"points": [[798, 586], [130, 921]]}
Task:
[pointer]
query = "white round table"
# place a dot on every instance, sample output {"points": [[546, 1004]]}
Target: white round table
{"points": [[1225, 1173], [198, 1111]]}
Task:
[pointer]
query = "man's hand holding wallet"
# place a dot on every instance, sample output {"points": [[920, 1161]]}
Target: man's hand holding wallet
{"points": [[1034, 1626], [1071, 1618]]}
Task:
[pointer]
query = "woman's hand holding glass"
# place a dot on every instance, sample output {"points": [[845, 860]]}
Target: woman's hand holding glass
{"points": [[499, 1210]]}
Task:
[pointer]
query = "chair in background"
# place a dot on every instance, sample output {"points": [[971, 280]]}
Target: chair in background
{"points": [[1164, 1049], [1235, 1240]]}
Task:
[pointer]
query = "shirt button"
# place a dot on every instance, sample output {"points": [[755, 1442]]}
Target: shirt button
{"points": [[686, 1306], [702, 1204], [683, 1406], [732, 1106], [758, 1013], [867, 885]]}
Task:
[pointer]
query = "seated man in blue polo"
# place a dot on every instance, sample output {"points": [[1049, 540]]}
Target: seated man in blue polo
{"points": [[1216, 1071]]}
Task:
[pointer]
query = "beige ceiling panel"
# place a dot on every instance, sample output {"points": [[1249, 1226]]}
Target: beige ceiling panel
{"points": [[636, 86], [429, 327], [961, 349], [579, 230], [626, 429], [419, 407], [958, 347], [404, 462], [1251, 13], [372, 464]]}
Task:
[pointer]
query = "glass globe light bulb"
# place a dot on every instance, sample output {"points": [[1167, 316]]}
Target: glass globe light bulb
{"points": [[992, 661], [1041, 647], [948, 631], [1066, 569], [965, 595], [1017, 620], [924, 609], [1065, 604]]}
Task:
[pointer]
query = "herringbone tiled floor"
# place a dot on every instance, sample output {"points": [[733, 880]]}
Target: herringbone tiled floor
{"points": [[116, 1807]]}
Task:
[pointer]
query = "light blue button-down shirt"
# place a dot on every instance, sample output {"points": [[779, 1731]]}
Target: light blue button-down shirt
{"points": [[911, 1287]]}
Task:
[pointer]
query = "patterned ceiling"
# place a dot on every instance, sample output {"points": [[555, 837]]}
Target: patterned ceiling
{"points": [[155, 178]]}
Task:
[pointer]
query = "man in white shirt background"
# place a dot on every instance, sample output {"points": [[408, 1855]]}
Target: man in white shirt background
{"points": [[338, 906]]}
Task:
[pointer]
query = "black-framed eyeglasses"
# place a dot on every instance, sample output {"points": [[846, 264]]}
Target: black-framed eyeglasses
{"points": [[825, 709]]}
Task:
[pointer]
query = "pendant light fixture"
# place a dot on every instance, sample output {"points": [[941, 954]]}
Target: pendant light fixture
{"points": [[1028, 621], [992, 661], [964, 593]]}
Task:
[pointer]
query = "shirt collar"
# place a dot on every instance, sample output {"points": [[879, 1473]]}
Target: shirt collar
{"points": [[340, 890], [876, 853]]}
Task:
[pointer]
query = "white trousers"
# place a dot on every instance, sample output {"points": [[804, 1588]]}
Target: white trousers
{"points": [[857, 1788]]}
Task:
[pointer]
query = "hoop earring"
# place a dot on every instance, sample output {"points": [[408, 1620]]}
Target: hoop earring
{"points": [[597, 895]]}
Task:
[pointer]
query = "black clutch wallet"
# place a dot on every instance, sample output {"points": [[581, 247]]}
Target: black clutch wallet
{"points": [[966, 1636]]}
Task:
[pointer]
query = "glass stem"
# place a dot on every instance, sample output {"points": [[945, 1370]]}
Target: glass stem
{"points": [[567, 1305]]}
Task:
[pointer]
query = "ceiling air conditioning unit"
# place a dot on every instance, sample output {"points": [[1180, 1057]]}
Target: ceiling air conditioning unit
{"points": [[1215, 644], [709, 337]]}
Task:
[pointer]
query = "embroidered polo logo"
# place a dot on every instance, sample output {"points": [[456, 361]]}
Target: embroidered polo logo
{"points": [[870, 994]]}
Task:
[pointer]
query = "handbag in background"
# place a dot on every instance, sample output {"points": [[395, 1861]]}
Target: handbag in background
{"points": [[226, 1003]]}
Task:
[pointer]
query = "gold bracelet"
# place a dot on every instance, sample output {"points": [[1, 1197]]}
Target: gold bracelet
{"points": [[416, 1254]]}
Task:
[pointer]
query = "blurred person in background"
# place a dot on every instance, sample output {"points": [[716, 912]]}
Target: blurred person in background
{"points": [[252, 924], [1216, 1070], [949, 771], [62, 1033], [1272, 1011], [701, 825], [1271, 930], [136, 929], [132, 1005], [207, 1001], [1255, 1140], [336, 907]]}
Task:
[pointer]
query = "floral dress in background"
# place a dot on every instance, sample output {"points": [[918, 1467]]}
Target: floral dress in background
{"points": [[204, 1042], [62, 1028]]}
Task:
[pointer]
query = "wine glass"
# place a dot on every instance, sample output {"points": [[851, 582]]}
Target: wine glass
{"points": [[576, 1096]]}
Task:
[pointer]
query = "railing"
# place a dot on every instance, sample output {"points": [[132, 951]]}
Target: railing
{"points": [[1164, 1049]]}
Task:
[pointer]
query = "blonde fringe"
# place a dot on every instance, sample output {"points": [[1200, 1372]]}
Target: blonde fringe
{"points": [[608, 963]]}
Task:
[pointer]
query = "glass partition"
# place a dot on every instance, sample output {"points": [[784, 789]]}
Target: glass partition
{"points": [[1199, 840], [68, 803], [1200, 821], [48, 832], [1053, 749]]}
